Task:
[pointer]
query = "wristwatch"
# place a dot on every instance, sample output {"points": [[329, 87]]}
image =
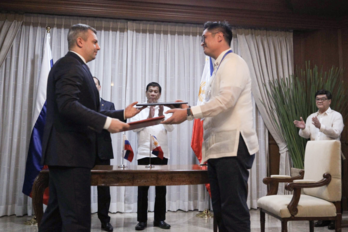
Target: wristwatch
{"points": [[189, 111]]}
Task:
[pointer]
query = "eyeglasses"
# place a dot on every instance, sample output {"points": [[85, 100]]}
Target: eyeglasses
{"points": [[203, 36], [321, 99]]}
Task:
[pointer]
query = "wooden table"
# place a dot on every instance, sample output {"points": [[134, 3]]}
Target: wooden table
{"points": [[107, 175]]}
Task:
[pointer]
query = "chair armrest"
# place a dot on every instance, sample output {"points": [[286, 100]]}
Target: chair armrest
{"points": [[273, 182], [280, 177], [298, 185], [305, 181]]}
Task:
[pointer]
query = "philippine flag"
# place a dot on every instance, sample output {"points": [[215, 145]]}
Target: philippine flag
{"points": [[155, 147], [33, 166], [128, 149], [197, 133]]}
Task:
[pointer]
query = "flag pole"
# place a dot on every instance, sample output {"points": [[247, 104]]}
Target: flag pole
{"points": [[122, 152], [149, 165]]}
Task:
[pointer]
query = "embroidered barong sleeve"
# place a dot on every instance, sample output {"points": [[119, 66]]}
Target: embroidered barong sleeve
{"points": [[232, 79]]}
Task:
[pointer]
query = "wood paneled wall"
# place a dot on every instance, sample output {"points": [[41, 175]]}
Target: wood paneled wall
{"points": [[245, 13]]}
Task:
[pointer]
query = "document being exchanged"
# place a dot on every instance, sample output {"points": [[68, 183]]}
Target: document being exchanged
{"points": [[145, 123], [168, 104]]}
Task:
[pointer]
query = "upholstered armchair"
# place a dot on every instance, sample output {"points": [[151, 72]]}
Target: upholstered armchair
{"points": [[316, 193]]}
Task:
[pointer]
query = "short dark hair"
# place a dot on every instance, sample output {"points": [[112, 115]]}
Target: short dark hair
{"points": [[322, 92], [78, 30], [154, 84], [97, 80], [223, 27]]}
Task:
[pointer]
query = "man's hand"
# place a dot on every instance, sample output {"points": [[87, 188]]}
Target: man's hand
{"points": [[300, 124], [152, 112], [316, 122], [131, 111], [179, 115], [117, 126], [160, 111]]}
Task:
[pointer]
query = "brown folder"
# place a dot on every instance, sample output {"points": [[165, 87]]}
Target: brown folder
{"points": [[145, 123]]}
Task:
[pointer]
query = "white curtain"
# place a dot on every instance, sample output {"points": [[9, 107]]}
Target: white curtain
{"points": [[256, 188], [269, 55], [9, 27], [169, 54], [132, 54]]}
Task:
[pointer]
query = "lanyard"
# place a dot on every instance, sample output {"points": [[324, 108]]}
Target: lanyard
{"points": [[222, 60], [207, 96]]}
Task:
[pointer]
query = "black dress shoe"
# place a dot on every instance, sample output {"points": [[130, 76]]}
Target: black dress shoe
{"points": [[140, 226], [332, 225], [107, 227], [161, 224], [321, 223]]}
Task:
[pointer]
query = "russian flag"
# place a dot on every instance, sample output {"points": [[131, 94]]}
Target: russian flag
{"points": [[33, 166], [155, 147], [128, 148]]}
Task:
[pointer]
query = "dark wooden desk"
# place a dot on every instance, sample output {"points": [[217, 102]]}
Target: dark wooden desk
{"points": [[107, 175]]}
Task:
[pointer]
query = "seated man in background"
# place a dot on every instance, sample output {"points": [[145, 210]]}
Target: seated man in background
{"points": [[325, 124]]}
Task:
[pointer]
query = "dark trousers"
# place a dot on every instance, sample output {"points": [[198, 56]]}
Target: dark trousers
{"points": [[228, 179], [104, 196], [160, 200], [69, 204]]}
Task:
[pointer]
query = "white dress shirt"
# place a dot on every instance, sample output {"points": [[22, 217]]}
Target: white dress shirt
{"points": [[228, 110], [159, 131], [331, 126]]}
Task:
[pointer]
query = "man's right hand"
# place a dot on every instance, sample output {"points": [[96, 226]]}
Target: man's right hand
{"points": [[117, 126], [300, 124]]}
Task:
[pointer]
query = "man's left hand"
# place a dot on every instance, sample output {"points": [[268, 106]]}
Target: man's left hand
{"points": [[316, 122], [131, 111], [179, 116]]}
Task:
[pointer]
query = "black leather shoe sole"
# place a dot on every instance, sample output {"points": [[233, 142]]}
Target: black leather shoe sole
{"points": [[331, 226], [107, 227], [322, 223], [140, 226], [161, 225]]}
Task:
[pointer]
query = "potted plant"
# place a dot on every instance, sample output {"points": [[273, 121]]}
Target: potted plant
{"points": [[294, 97]]}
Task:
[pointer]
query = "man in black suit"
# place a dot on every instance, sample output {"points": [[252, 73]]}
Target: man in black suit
{"points": [[69, 144], [105, 153]]}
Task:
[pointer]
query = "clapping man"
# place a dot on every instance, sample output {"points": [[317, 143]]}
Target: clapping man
{"points": [[325, 124]]}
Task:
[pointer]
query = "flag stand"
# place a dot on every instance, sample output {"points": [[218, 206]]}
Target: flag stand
{"points": [[122, 155], [150, 165], [206, 214]]}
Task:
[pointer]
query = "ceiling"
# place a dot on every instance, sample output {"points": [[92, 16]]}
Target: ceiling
{"points": [[282, 14]]}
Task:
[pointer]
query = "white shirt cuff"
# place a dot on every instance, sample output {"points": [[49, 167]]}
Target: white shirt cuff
{"points": [[322, 128], [197, 112], [107, 123]]}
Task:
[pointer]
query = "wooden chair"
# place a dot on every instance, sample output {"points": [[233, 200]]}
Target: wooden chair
{"points": [[317, 191]]}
